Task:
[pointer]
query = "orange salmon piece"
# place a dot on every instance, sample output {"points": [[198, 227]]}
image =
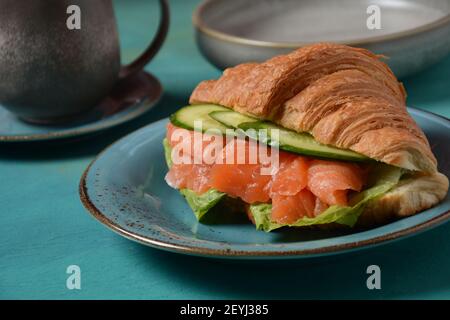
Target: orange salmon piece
{"points": [[292, 175], [288, 209], [189, 176], [331, 180], [239, 175], [183, 140]]}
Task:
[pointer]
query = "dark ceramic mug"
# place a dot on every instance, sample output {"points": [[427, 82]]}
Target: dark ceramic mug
{"points": [[50, 72]]}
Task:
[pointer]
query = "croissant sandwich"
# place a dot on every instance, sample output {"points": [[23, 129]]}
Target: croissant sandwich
{"points": [[320, 136]]}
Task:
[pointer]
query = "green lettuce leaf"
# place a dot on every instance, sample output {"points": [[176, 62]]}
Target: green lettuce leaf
{"points": [[202, 203], [167, 152], [383, 178], [199, 203]]}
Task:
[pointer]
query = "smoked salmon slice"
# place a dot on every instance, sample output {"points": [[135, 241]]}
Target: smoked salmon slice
{"points": [[189, 176], [331, 180], [298, 187], [288, 209], [241, 175], [185, 143], [292, 175]]}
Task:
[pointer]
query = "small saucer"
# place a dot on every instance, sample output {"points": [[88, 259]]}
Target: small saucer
{"points": [[130, 98]]}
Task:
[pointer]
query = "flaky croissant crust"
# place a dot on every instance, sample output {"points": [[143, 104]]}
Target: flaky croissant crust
{"points": [[343, 96]]}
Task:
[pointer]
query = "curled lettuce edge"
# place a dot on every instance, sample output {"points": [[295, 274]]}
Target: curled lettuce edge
{"points": [[167, 152], [202, 203], [385, 178]]}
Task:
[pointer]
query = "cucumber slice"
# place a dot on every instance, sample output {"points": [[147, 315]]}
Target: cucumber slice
{"points": [[301, 143], [221, 118], [231, 119], [186, 117]]}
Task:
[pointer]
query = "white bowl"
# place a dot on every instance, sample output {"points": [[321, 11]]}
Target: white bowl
{"points": [[414, 34]]}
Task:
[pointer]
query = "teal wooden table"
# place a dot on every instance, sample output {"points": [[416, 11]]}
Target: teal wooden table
{"points": [[44, 228]]}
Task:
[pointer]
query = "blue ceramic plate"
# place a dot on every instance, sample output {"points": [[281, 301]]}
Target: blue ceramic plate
{"points": [[124, 189], [131, 98]]}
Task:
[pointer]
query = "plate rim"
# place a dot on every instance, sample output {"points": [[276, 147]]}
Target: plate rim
{"points": [[144, 105], [248, 254], [201, 26]]}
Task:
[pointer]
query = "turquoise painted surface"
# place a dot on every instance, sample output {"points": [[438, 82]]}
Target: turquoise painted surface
{"points": [[44, 228]]}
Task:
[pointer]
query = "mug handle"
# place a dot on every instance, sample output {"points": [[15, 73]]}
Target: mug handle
{"points": [[138, 64]]}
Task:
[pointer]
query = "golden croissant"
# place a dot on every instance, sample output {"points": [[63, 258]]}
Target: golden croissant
{"points": [[346, 99]]}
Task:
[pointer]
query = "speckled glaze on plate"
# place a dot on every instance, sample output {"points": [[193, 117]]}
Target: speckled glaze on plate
{"points": [[124, 189], [130, 98]]}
